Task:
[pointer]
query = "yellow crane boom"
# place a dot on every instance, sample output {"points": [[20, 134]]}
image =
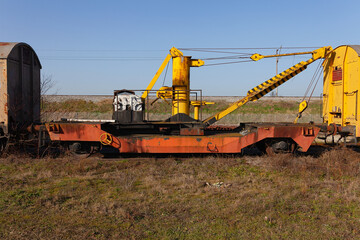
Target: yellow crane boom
{"points": [[174, 52], [274, 82]]}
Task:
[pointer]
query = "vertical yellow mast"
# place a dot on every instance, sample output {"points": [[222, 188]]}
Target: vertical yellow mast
{"points": [[181, 80], [180, 90], [181, 85]]}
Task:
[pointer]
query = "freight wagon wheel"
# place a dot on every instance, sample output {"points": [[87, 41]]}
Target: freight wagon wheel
{"points": [[82, 150], [272, 146]]}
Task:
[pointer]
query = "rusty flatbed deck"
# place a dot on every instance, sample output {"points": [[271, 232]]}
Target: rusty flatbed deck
{"points": [[232, 141]]}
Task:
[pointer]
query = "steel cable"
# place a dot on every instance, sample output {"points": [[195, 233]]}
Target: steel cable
{"points": [[319, 75], [167, 66], [213, 64], [226, 57], [315, 76]]}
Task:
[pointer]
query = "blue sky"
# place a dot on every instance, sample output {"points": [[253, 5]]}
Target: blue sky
{"points": [[94, 47]]}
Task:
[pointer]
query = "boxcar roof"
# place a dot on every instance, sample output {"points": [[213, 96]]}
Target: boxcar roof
{"points": [[7, 47], [356, 48]]}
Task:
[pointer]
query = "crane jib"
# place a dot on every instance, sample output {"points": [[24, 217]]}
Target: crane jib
{"points": [[261, 90], [266, 87]]}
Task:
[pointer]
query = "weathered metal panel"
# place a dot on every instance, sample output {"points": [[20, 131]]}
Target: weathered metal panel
{"points": [[341, 102], [27, 92], [3, 92], [13, 91], [6, 48], [36, 90], [20, 85]]}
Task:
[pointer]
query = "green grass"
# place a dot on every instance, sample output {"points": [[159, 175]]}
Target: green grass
{"points": [[277, 197]]}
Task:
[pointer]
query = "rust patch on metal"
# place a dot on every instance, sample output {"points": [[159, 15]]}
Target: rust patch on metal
{"points": [[221, 128], [191, 132], [55, 128]]}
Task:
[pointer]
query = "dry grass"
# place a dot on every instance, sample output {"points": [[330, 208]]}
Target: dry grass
{"points": [[263, 111], [78, 106], [76, 109], [278, 197], [105, 106]]}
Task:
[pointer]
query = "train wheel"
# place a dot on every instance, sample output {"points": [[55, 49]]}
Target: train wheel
{"points": [[83, 150], [272, 146]]}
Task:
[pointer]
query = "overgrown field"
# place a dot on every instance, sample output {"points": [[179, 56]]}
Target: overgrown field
{"points": [[258, 107], [213, 197], [262, 110]]}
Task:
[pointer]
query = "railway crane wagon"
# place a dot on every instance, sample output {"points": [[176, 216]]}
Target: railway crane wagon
{"points": [[130, 132]]}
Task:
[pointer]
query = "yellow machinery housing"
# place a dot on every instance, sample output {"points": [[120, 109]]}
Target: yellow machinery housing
{"points": [[341, 96]]}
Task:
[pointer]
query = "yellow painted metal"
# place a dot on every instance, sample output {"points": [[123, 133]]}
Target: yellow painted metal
{"points": [[341, 96], [180, 91], [156, 77], [196, 112], [176, 52], [181, 81], [257, 56], [165, 93], [267, 86], [196, 63], [302, 107], [197, 105], [181, 85]]}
